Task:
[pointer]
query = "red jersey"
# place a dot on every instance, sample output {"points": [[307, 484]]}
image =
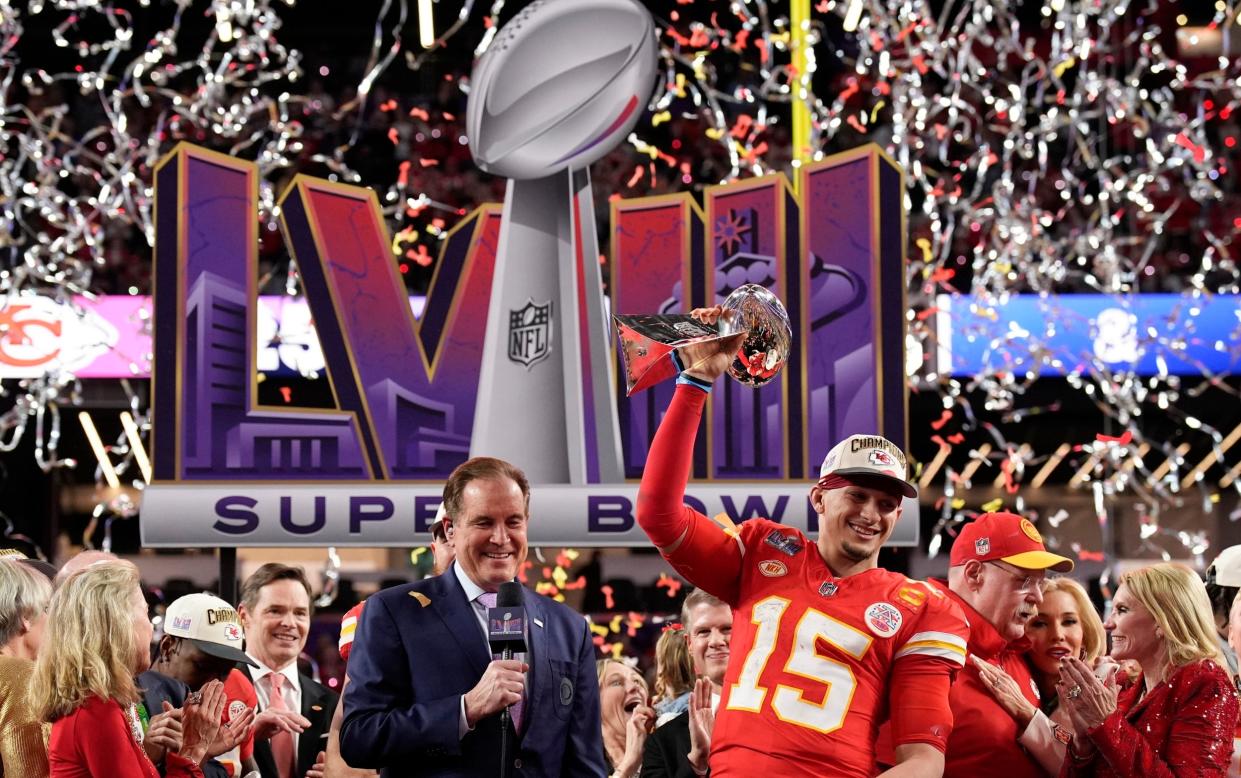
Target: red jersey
{"points": [[817, 662], [812, 654], [984, 736], [240, 696]]}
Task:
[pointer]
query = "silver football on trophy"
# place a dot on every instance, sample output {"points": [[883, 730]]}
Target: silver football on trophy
{"points": [[754, 309]]}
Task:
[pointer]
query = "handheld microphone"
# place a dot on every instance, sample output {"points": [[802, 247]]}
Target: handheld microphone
{"points": [[506, 632], [506, 622]]}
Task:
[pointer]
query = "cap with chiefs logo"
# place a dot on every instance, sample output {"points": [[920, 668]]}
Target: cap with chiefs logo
{"points": [[865, 455], [209, 623], [1008, 538]]}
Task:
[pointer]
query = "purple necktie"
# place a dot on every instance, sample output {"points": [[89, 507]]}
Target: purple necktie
{"points": [[488, 599]]}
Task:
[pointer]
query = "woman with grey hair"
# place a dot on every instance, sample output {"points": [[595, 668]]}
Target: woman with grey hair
{"points": [[24, 595]]}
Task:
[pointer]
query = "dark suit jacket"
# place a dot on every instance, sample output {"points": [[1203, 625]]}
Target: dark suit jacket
{"points": [[667, 750], [318, 704], [419, 648], [157, 687]]}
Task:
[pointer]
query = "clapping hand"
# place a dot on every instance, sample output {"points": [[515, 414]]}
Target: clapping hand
{"points": [[701, 725], [200, 720], [272, 722], [232, 734], [163, 733], [1086, 699]]}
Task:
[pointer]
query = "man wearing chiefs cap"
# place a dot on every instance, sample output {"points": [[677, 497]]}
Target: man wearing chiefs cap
{"points": [[997, 575], [202, 642]]}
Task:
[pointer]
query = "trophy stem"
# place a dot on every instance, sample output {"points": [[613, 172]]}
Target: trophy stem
{"points": [[546, 397]]}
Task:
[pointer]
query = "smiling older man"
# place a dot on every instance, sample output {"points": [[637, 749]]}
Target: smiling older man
{"points": [[997, 574], [425, 693]]}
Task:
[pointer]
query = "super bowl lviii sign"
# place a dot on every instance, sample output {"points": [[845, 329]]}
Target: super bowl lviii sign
{"points": [[231, 472], [512, 355]]}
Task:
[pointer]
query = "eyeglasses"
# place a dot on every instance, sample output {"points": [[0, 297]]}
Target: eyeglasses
{"points": [[1029, 583]]}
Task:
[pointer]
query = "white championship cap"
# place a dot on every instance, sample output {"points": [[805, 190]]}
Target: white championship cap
{"points": [[867, 455], [1227, 567], [209, 623]]}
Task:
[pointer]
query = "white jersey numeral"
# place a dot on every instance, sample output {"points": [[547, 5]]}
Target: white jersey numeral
{"points": [[789, 703]]}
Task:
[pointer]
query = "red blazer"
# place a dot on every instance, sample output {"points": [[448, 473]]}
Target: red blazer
{"points": [[1182, 727], [95, 742]]}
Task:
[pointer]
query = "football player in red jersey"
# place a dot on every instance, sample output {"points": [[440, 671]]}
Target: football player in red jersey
{"points": [[826, 645]]}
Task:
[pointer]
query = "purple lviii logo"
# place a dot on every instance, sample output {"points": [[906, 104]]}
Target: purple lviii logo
{"points": [[230, 471]]}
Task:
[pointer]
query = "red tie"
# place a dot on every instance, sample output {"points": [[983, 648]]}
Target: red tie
{"points": [[281, 742]]}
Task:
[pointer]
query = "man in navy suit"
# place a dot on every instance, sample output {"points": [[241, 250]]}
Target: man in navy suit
{"points": [[425, 694]]}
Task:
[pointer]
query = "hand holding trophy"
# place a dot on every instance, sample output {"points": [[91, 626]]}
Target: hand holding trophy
{"points": [[749, 337]]}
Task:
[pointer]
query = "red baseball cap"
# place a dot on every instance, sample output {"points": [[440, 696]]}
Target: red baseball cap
{"points": [[1007, 537]]}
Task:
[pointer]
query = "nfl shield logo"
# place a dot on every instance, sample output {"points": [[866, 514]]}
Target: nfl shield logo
{"points": [[982, 546], [827, 589], [530, 333]]}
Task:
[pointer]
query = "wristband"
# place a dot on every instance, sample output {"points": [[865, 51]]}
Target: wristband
{"points": [[686, 379]]}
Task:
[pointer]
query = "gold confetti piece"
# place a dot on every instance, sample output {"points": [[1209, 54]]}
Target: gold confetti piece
{"points": [[993, 506], [715, 133], [660, 118], [422, 599], [925, 245], [1063, 66]]}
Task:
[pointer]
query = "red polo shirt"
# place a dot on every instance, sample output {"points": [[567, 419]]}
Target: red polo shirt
{"points": [[984, 736]]}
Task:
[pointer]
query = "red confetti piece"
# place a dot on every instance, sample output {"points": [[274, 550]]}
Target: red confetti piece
{"points": [[427, 162], [957, 438], [1123, 440], [1090, 556], [419, 113], [672, 584], [402, 178], [393, 135], [419, 254], [941, 421], [635, 178], [608, 602], [849, 91]]}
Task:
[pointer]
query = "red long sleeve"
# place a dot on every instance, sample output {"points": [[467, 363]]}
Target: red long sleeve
{"points": [[706, 554], [94, 741], [1185, 727]]}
